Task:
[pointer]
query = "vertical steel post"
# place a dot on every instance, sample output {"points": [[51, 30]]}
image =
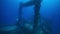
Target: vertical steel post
{"points": [[36, 16]]}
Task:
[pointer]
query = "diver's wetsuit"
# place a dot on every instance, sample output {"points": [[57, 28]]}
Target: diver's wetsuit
{"points": [[37, 4]]}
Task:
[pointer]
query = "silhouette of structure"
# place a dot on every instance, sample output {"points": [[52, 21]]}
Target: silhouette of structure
{"points": [[37, 4]]}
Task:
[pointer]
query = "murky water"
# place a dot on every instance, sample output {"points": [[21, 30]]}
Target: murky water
{"points": [[48, 22]]}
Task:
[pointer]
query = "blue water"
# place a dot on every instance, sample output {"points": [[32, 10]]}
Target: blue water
{"points": [[50, 9]]}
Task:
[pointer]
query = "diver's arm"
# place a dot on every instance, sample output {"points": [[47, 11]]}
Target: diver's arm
{"points": [[27, 4]]}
